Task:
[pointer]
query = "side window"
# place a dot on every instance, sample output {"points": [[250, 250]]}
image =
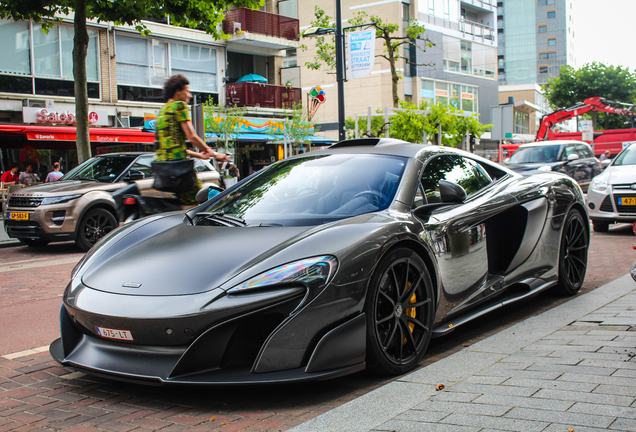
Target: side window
{"points": [[419, 197], [584, 151], [143, 165], [570, 149], [456, 169], [200, 166]]}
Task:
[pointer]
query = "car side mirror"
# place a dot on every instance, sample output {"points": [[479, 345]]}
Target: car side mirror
{"points": [[605, 163], [133, 175], [451, 193], [572, 157]]}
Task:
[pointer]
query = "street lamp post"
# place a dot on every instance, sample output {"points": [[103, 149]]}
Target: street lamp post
{"points": [[340, 60]]}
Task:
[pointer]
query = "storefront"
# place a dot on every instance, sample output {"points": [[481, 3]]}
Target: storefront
{"points": [[47, 144]]}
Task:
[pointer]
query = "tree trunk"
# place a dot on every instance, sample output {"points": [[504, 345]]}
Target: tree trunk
{"points": [[80, 48], [394, 75], [594, 119]]}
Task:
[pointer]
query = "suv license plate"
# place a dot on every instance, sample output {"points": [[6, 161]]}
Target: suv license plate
{"points": [[626, 201], [114, 333], [19, 216]]}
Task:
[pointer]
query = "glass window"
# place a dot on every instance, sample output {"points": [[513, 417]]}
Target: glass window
{"points": [[196, 63], [547, 56], [536, 154], [467, 57], [584, 151], [456, 169], [455, 95], [552, 41], [543, 29], [452, 54], [159, 63], [428, 91], [546, 2], [441, 92], [15, 57], [543, 69], [627, 156], [46, 52], [103, 169], [143, 164], [133, 60], [92, 63], [552, 14]]}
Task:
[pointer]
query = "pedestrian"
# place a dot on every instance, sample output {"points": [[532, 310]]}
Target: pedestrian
{"points": [[28, 176], [54, 175], [174, 127], [10, 176], [605, 156]]}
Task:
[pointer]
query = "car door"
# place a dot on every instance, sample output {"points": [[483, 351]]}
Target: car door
{"points": [[458, 232], [577, 168]]}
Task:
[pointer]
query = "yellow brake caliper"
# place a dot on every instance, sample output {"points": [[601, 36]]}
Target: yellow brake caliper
{"points": [[411, 311]]}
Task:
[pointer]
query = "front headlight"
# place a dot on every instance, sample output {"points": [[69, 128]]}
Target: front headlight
{"points": [[599, 185], [59, 200], [545, 168], [312, 272]]}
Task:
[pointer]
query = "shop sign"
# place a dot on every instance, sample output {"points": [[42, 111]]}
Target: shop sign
{"points": [[66, 117], [441, 93], [94, 137], [467, 96]]}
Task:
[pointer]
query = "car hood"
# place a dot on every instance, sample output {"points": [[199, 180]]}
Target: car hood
{"points": [[169, 257], [622, 174], [531, 166], [65, 187]]}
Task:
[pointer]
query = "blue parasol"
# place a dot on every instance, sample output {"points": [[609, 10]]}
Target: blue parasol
{"points": [[252, 78]]}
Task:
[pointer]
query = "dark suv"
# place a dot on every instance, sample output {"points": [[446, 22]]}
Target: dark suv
{"points": [[574, 158], [80, 206]]}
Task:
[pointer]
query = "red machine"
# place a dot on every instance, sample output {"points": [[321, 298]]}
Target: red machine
{"points": [[612, 140]]}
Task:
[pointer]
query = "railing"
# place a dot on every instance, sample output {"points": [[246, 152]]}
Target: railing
{"points": [[477, 29], [261, 95], [254, 21]]}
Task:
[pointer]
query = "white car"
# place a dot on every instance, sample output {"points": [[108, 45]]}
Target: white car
{"points": [[611, 197]]}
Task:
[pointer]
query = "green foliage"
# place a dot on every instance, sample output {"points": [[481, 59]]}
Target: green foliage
{"points": [[389, 33], [223, 121], [410, 124], [295, 127], [593, 80]]}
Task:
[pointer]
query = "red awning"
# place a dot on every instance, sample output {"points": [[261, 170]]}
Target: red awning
{"points": [[68, 133]]}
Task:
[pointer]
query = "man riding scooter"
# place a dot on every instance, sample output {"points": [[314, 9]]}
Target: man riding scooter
{"points": [[174, 126]]}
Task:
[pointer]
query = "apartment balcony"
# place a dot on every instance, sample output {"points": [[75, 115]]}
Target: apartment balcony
{"points": [[481, 4], [261, 95], [477, 29], [261, 29]]}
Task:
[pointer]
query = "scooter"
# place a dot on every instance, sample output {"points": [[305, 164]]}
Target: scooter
{"points": [[132, 205]]}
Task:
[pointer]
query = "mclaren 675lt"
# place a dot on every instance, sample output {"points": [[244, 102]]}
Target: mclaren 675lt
{"points": [[321, 265]]}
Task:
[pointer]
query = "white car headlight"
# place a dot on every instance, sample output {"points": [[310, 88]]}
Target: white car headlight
{"points": [[59, 200], [312, 272], [599, 185], [545, 168]]}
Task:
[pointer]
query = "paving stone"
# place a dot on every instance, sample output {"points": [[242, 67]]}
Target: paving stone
{"points": [[601, 409], [484, 379], [411, 426], [615, 390], [491, 389], [581, 370], [628, 373], [507, 424], [578, 419], [459, 407], [624, 424], [617, 364], [423, 416], [551, 384], [526, 402], [524, 374], [584, 397], [598, 379], [557, 427], [451, 396]]}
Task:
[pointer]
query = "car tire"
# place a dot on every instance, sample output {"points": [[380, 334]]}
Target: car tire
{"points": [[600, 226], [397, 336], [34, 243], [573, 253], [95, 224]]}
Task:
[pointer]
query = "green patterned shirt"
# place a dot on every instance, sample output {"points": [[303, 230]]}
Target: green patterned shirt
{"points": [[172, 139]]}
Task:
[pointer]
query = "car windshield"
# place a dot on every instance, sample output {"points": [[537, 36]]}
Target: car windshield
{"points": [[628, 157], [535, 154], [102, 169], [313, 190]]}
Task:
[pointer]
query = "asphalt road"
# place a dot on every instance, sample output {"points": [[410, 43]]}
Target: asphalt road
{"points": [[31, 284]]}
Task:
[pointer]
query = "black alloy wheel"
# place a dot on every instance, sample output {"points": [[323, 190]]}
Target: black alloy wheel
{"points": [[573, 253], [95, 225], [400, 312]]}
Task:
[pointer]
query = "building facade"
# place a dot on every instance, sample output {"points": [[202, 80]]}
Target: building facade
{"points": [[536, 38], [126, 71], [460, 69]]}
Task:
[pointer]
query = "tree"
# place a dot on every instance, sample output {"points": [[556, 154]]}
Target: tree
{"points": [[224, 122], [203, 14], [393, 45], [411, 124], [593, 80], [295, 128]]}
